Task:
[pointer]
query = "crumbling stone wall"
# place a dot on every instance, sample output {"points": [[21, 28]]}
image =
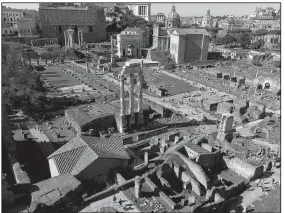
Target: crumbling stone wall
{"points": [[196, 169], [247, 170], [274, 84], [167, 200], [165, 112]]}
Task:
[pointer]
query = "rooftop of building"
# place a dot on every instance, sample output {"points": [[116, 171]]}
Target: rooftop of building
{"points": [[52, 190], [186, 31], [81, 151], [132, 29]]}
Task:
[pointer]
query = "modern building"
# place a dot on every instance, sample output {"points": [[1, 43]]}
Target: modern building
{"points": [[9, 20], [142, 10], [160, 18], [56, 19], [266, 22], [189, 45], [26, 26], [230, 24], [269, 37], [207, 20], [129, 43]]}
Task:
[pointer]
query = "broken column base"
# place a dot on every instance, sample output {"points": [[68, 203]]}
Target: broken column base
{"points": [[127, 123], [229, 136]]}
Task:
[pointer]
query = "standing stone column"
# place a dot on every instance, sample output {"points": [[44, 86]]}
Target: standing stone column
{"points": [[140, 82], [131, 95], [122, 92], [137, 188], [167, 43]]}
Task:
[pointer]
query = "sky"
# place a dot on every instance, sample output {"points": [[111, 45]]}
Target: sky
{"points": [[186, 9]]}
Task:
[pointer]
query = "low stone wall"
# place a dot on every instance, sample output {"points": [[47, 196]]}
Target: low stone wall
{"points": [[213, 207], [108, 192], [151, 133], [247, 170], [274, 147], [167, 200], [151, 184], [165, 112]]}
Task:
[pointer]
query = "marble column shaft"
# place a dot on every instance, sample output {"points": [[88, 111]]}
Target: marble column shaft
{"points": [[140, 82], [122, 93], [131, 95]]}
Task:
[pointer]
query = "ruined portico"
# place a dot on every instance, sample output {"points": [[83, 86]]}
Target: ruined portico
{"points": [[69, 39], [131, 119]]}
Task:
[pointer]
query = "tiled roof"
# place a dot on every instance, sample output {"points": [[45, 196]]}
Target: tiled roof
{"points": [[132, 29], [81, 151], [185, 31], [53, 189], [73, 157], [111, 147]]}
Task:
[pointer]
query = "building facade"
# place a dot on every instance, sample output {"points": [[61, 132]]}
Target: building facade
{"points": [[129, 43], [161, 35], [91, 19], [160, 18], [142, 10], [207, 20], [9, 20], [189, 45], [26, 26], [230, 24]]}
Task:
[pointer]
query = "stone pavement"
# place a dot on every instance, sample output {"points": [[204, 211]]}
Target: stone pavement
{"points": [[109, 202]]}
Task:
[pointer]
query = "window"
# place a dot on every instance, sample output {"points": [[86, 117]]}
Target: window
{"points": [[75, 29], [11, 19], [17, 14], [4, 19], [11, 31], [90, 29], [59, 29], [6, 32]]}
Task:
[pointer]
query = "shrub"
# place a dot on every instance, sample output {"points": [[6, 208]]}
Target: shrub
{"points": [[276, 64]]}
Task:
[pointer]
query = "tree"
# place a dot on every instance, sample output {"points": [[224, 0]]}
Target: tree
{"points": [[229, 40], [22, 87], [257, 45], [276, 64], [217, 25], [244, 40]]}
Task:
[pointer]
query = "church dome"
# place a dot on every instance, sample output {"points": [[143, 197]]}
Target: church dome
{"points": [[173, 19], [208, 16], [173, 14]]}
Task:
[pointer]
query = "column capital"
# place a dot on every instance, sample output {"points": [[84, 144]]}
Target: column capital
{"points": [[121, 77]]}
